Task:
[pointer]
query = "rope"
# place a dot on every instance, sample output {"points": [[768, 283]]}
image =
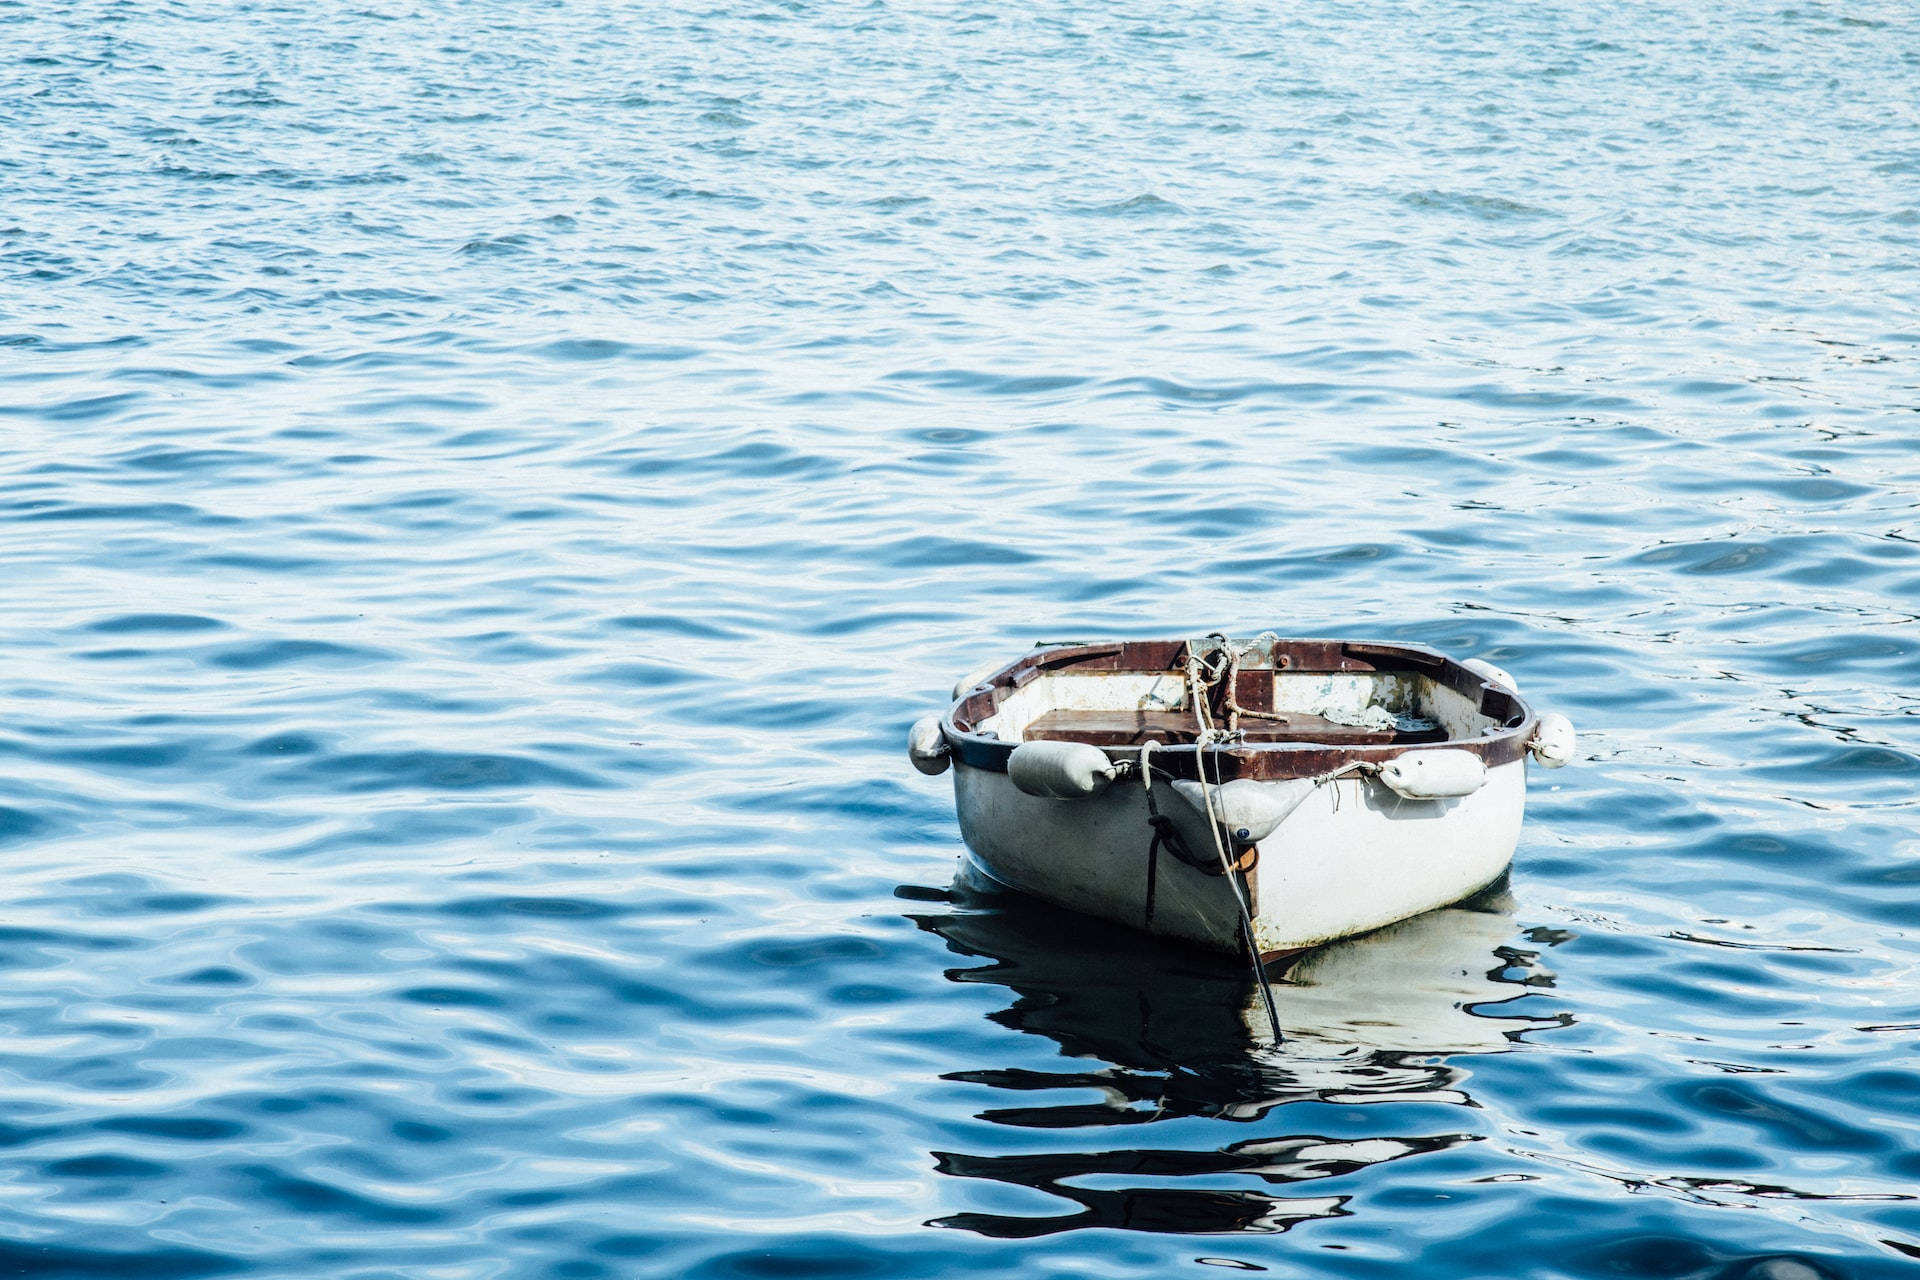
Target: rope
{"points": [[1238, 885], [1160, 829], [1232, 689], [1204, 672], [1210, 736], [1166, 835]]}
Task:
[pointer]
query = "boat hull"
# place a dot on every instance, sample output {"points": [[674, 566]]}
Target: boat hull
{"points": [[1352, 857]]}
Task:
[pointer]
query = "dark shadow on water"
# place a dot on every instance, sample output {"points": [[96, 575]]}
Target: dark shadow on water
{"points": [[1155, 1032]]}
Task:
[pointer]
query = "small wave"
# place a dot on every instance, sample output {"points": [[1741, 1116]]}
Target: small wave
{"points": [[424, 770], [589, 350], [1146, 204], [155, 623], [1486, 208], [263, 655]]}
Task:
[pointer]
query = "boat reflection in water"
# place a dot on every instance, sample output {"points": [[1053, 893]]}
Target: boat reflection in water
{"points": [[1175, 1034]]}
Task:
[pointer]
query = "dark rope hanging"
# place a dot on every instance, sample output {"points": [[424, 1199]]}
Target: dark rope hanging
{"points": [[1237, 883], [1166, 835]]}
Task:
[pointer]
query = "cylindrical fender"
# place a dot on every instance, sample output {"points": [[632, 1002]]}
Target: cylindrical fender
{"points": [[1434, 775], [1060, 770], [1553, 742], [927, 746]]}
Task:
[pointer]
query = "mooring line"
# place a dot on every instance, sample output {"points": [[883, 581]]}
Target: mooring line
{"points": [[1208, 736]]}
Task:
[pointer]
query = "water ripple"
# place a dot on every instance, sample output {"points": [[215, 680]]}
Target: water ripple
{"points": [[485, 493]]}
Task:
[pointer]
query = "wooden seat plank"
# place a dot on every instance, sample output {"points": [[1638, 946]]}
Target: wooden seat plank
{"points": [[1176, 728]]}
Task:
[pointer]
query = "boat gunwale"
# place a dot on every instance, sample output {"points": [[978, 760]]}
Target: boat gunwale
{"points": [[1266, 761]]}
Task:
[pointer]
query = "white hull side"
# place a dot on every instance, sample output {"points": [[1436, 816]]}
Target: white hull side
{"points": [[1353, 857], [1089, 855], [1356, 856]]}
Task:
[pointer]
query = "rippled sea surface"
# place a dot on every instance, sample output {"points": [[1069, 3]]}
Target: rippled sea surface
{"points": [[485, 488]]}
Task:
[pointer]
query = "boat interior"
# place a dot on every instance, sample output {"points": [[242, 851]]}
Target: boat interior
{"points": [[1322, 693]]}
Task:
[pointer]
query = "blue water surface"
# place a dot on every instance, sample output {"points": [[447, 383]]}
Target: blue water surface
{"points": [[485, 487]]}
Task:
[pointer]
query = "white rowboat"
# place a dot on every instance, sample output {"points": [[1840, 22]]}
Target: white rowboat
{"points": [[1322, 788]]}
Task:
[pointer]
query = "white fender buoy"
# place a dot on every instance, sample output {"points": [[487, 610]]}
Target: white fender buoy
{"points": [[1434, 775], [973, 680], [1248, 809], [1487, 671], [927, 746], [1060, 770], [1553, 742]]}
